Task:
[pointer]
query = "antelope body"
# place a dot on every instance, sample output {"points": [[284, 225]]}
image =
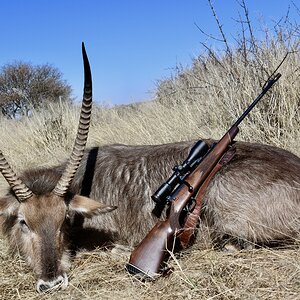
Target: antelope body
{"points": [[46, 212]]}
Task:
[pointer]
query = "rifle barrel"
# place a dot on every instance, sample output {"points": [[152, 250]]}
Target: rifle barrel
{"points": [[265, 89]]}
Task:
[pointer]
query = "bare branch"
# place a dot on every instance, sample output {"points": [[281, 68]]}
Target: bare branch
{"points": [[208, 35], [248, 22], [228, 51]]}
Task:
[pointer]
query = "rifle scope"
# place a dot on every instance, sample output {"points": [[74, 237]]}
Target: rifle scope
{"points": [[195, 156]]}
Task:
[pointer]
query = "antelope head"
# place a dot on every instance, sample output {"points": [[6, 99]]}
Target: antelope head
{"points": [[38, 221]]}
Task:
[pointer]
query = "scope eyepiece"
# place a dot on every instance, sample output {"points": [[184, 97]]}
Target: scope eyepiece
{"points": [[160, 196], [162, 193]]}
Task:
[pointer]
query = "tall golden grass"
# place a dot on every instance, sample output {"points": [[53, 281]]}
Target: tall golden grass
{"points": [[198, 102]]}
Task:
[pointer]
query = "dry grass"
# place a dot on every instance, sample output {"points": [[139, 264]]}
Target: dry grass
{"points": [[197, 274], [199, 102], [220, 91], [203, 273]]}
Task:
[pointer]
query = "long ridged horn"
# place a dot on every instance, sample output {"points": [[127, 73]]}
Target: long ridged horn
{"points": [[21, 191], [82, 132]]}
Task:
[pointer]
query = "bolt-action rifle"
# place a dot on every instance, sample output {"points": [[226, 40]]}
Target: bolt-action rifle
{"points": [[148, 257]]}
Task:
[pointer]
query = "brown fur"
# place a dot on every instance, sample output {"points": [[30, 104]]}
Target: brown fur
{"points": [[255, 198]]}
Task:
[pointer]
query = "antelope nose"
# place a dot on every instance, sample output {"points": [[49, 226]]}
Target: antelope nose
{"points": [[43, 287], [48, 286]]}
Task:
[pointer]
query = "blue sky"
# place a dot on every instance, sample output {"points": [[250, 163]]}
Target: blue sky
{"points": [[131, 44]]}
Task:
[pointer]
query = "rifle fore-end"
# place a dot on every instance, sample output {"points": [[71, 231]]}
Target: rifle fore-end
{"points": [[198, 176]]}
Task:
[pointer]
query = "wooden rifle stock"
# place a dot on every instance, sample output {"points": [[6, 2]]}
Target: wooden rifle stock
{"points": [[147, 258]]}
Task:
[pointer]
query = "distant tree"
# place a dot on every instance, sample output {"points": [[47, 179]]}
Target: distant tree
{"points": [[24, 87]]}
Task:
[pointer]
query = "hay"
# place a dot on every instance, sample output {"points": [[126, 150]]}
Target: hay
{"points": [[197, 274]]}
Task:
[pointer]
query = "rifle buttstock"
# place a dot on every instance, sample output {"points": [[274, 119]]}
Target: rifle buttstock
{"points": [[146, 261]]}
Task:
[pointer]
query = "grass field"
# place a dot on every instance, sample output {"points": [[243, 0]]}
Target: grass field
{"points": [[200, 102]]}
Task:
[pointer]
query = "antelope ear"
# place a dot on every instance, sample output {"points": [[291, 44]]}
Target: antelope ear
{"points": [[88, 207]]}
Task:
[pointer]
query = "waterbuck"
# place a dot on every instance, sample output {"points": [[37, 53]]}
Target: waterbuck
{"points": [[46, 212]]}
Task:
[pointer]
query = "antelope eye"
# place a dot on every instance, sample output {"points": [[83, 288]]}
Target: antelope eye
{"points": [[22, 222], [23, 225]]}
